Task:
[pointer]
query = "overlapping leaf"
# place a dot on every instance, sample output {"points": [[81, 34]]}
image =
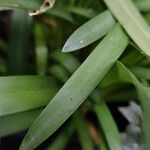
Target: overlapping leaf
{"points": [[135, 25], [77, 88], [90, 32], [21, 93]]}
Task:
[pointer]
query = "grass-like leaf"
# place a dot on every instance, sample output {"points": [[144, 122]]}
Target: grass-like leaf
{"points": [[77, 88], [62, 140], [19, 44], [141, 72], [67, 60], [41, 49], [135, 25], [123, 74], [83, 133], [109, 130], [143, 5], [21, 93], [90, 32], [108, 126], [15, 123]]}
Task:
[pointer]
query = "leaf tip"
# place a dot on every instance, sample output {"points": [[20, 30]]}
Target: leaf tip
{"points": [[68, 48]]}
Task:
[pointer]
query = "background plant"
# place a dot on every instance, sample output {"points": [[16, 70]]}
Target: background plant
{"points": [[52, 89]]}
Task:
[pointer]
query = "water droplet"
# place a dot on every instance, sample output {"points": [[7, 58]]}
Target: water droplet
{"points": [[81, 41]]}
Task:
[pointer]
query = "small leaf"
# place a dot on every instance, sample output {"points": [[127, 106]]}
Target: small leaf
{"points": [[41, 49], [90, 32]]}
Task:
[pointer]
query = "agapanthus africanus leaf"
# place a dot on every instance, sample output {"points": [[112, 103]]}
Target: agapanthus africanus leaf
{"points": [[77, 88], [132, 21]]}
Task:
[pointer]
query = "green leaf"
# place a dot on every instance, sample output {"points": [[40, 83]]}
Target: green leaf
{"points": [[143, 5], [59, 72], [86, 12], [67, 60], [141, 72], [77, 88], [82, 130], [21, 93], [90, 32], [61, 141], [108, 126], [24, 4], [41, 49], [132, 58], [15, 123], [109, 130], [61, 11], [19, 42], [124, 75], [132, 21]]}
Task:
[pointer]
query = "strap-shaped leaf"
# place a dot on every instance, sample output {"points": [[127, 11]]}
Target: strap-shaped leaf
{"points": [[41, 49], [125, 75], [141, 72], [82, 130], [15, 123], [90, 32], [67, 60], [109, 131], [77, 88], [59, 72], [21, 93], [143, 5], [19, 44], [135, 25], [82, 11], [61, 141]]}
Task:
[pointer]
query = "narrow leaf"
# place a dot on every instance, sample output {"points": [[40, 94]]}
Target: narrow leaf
{"points": [[61, 141], [21, 93], [15, 123], [109, 130], [90, 32], [77, 88], [82, 130], [108, 126], [141, 72], [19, 42], [130, 18], [143, 5], [67, 60], [125, 75], [41, 49]]}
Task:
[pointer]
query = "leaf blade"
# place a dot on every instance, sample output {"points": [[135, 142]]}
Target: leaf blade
{"points": [[132, 21], [21, 93], [90, 32], [70, 97]]}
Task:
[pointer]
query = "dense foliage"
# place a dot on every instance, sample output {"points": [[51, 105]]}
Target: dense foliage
{"points": [[54, 84]]}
